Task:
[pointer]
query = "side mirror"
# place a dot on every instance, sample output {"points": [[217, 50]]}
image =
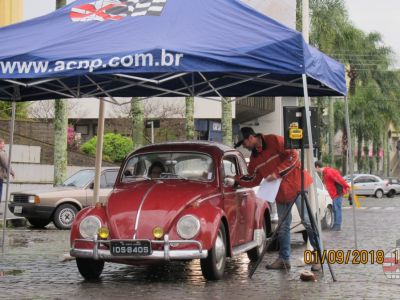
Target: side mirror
{"points": [[127, 173], [229, 182], [91, 186]]}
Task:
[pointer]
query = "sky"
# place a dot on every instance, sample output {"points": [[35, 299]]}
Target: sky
{"points": [[381, 16]]}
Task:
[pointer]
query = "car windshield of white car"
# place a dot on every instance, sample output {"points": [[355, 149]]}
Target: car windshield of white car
{"points": [[163, 165], [80, 179]]}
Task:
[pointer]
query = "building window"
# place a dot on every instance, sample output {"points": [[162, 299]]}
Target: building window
{"points": [[82, 129]]}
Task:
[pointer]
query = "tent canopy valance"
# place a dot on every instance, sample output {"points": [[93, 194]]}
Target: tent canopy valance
{"points": [[150, 48]]}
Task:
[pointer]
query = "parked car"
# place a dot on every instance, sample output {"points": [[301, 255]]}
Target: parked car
{"points": [[173, 201], [369, 185], [60, 204], [325, 211], [393, 186]]}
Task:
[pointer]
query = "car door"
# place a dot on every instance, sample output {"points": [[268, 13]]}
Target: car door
{"points": [[234, 198], [372, 184], [361, 187]]}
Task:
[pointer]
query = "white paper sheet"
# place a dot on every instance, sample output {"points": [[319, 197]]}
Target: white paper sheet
{"points": [[268, 190]]}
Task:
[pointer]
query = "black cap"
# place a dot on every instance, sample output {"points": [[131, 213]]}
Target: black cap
{"points": [[244, 133]]}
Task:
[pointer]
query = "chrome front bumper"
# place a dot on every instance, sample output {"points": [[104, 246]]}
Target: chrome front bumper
{"points": [[166, 254]]}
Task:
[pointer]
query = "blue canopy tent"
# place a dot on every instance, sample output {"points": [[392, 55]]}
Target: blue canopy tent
{"points": [[169, 48]]}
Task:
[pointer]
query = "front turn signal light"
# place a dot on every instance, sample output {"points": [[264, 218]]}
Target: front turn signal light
{"points": [[104, 233], [158, 232]]}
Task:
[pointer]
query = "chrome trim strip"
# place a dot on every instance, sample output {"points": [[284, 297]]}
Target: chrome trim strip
{"points": [[243, 248], [140, 208], [156, 255]]}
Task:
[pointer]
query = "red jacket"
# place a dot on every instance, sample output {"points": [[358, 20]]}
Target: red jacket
{"points": [[274, 158], [332, 178]]}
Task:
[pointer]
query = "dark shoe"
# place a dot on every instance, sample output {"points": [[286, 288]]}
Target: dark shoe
{"points": [[316, 267], [279, 264]]}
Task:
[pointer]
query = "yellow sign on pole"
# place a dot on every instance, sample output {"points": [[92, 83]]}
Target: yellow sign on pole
{"points": [[11, 11]]}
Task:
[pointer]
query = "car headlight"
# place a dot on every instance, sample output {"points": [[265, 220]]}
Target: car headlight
{"points": [[89, 227], [188, 227], [34, 199]]}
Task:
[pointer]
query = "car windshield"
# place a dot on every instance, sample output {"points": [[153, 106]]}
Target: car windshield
{"points": [[80, 179], [162, 165]]}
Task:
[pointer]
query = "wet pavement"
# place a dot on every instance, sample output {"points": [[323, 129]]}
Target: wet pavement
{"points": [[34, 267]]}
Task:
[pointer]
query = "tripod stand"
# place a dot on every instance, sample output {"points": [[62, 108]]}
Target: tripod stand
{"points": [[316, 238]]}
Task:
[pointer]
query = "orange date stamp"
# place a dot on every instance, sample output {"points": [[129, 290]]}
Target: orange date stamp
{"points": [[354, 257]]}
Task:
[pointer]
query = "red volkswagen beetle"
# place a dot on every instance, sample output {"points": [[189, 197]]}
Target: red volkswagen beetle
{"points": [[173, 201]]}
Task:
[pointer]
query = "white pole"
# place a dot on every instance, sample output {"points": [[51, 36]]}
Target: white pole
{"points": [[152, 132], [351, 161], [12, 127], [310, 154], [306, 20], [99, 151]]}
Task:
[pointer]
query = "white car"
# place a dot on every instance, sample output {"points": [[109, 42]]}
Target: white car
{"points": [[369, 185], [325, 210]]}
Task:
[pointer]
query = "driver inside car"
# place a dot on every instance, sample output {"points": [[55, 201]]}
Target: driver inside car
{"points": [[156, 169]]}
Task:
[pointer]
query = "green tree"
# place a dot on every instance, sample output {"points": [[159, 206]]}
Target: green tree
{"points": [[60, 133], [190, 129], [21, 111], [115, 147], [226, 121], [136, 114]]}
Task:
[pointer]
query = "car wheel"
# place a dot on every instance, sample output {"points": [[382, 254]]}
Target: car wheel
{"points": [[255, 253], [391, 193], [38, 223], [327, 221], [213, 266], [64, 216], [305, 235], [90, 269], [379, 194]]}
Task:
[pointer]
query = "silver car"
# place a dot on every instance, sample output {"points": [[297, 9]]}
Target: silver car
{"points": [[394, 186], [60, 204], [369, 185]]}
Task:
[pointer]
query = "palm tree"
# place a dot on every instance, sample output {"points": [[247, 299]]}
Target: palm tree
{"points": [[190, 129], [136, 115]]}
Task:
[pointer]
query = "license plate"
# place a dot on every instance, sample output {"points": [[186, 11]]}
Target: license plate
{"points": [[17, 209], [130, 248]]}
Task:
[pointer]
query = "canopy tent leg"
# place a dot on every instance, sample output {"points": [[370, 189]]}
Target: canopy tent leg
{"points": [[351, 162], [310, 151], [12, 127], [99, 151]]}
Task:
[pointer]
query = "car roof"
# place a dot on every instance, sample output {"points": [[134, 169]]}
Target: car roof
{"points": [[208, 147]]}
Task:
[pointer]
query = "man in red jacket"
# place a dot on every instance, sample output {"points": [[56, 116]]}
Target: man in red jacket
{"points": [[337, 187], [270, 160]]}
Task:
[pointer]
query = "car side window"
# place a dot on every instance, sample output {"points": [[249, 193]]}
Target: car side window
{"points": [[360, 180], [230, 166], [111, 176], [372, 179], [103, 182], [243, 166]]}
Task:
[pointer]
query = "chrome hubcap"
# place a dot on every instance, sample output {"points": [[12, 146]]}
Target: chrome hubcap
{"points": [[220, 250], [329, 217], [67, 216]]}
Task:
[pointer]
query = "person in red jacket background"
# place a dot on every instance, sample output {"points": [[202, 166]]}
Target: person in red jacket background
{"points": [[270, 160], [337, 187]]}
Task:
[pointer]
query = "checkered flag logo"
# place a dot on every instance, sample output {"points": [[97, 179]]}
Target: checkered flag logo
{"points": [[103, 10]]}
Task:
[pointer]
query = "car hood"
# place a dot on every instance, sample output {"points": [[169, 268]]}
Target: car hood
{"points": [[46, 191], [148, 204]]}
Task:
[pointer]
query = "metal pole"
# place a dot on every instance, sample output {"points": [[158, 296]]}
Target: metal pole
{"points": [[99, 151], [311, 168], [306, 20], [351, 162], [12, 127], [152, 132]]}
